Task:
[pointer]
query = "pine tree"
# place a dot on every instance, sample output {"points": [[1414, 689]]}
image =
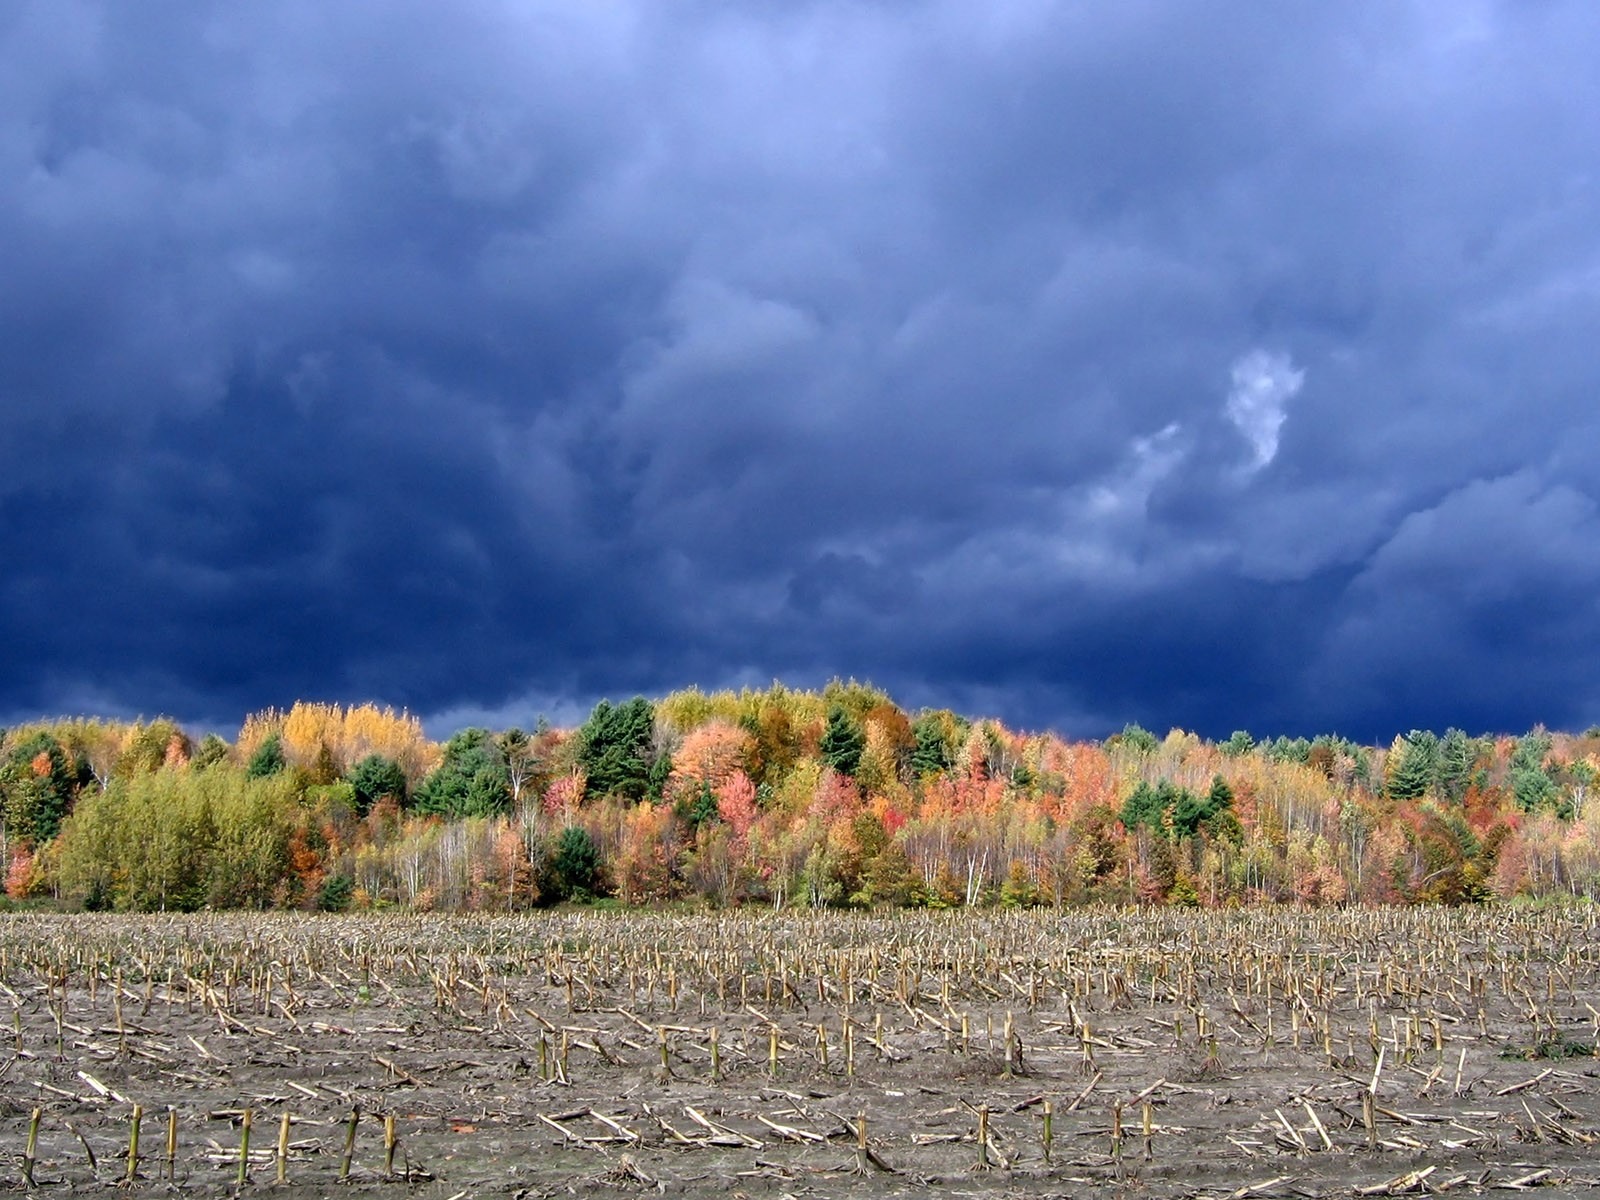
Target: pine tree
{"points": [[1412, 762], [842, 742], [471, 781], [932, 753], [576, 863], [268, 760], [1238, 744], [212, 750], [375, 777], [1457, 753], [614, 746]]}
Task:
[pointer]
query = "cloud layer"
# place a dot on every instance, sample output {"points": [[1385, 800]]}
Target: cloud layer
{"points": [[1223, 369]]}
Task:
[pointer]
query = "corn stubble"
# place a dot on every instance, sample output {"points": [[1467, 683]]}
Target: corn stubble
{"points": [[1254, 1053]]}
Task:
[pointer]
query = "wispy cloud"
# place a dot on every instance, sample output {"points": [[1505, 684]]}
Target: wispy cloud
{"points": [[1150, 460], [1263, 384]]}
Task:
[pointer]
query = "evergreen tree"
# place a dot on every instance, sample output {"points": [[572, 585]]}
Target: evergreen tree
{"points": [[268, 758], [375, 777], [335, 893], [575, 864], [1135, 737], [212, 750], [932, 755], [700, 806], [1283, 749], [471, 780], [1361, 771], [842, 742], [1413, 761], [1216, 805], [1453, 773], [1531, 781], [614, 746], [660, 772], [323, 768], [1239, 744], [1149, 806], [1531, 750], [1175, 811]]}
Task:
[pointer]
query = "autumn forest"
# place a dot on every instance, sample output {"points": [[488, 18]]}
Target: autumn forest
{"points": [[778, 797]]}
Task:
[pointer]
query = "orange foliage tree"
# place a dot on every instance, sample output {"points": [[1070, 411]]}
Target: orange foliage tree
{"points": [[708, 758]]}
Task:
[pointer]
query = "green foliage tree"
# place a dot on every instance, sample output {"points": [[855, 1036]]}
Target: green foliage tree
{"points": [[470, 781], [1135, 737], [211, 751], [1413, 764], [698, 807], [1453, 771], [1019, 889], [91, 869], [248, 860], [575, 864], [1286, 750], [176, 840], [1148, 805], [374, 778], [268, 758], [614, 747], [932, 754], [1532, 783], [166, 866], [36, 787], [1238, 744], [1182, 894], [1175, 811], [842, 741], [890, 878], [335, 893]]}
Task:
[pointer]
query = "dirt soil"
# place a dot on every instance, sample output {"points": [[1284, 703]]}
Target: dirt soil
{"points": [[1242, 1055]]}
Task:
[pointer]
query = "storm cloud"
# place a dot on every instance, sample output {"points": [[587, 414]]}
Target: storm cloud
{"points": [[1224, 366]]}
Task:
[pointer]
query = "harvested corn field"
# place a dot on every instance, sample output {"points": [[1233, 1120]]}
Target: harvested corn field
{"points": [[1165, 1053]]}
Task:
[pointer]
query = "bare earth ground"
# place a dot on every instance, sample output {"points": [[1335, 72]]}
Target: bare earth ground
{"points": [[523, 1056]]}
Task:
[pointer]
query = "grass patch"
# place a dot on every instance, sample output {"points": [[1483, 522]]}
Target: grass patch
{"points": [[1551, 1049]]}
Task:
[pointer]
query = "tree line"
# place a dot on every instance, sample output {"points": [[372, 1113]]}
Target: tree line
{"points": [[778, 796]]}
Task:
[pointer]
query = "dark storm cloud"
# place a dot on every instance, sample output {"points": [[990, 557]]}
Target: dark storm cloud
{"points": [[1224, 366]]}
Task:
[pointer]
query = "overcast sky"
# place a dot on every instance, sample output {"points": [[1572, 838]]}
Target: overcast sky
{"points": [[1224, 365]]}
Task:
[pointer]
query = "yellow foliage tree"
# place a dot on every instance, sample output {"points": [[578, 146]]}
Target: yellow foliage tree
{"points": [[349, 735]]}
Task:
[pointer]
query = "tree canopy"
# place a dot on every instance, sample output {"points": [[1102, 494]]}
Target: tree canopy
{"points": [[471, 781]]}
